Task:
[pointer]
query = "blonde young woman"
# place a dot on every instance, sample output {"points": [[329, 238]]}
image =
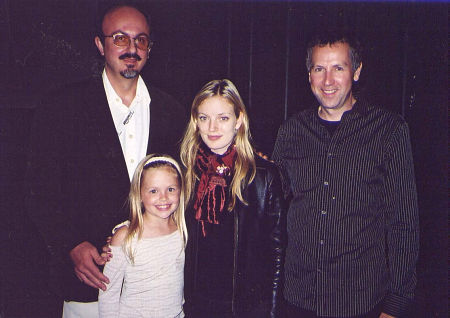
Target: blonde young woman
{"points": [[235, 216]]}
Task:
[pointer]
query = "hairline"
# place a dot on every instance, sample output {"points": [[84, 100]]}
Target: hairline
{"points": [[112, 9], [353, 52]]}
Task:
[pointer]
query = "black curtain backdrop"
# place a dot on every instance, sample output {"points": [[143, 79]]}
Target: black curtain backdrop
{"points": [[260, 46]]}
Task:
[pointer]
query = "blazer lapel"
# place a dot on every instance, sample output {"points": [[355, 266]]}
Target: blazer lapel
{"points": [[100, 123], [157, 121]]}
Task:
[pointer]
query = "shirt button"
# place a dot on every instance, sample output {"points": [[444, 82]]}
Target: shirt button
{"points": [[325, 183], [132, 160], [329, 154], [130, 136], [333, 197], [322, 242], [323, 212]]}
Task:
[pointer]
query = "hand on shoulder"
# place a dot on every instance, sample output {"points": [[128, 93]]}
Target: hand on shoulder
{"points": [[85, 260], [263, 156], [118, 240]]}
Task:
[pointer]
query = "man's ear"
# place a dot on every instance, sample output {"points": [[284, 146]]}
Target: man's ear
{"points": [[357, 73], [99, 45]]}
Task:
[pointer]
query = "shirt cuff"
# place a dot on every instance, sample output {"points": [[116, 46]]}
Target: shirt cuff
{"points": [[396, 305]]}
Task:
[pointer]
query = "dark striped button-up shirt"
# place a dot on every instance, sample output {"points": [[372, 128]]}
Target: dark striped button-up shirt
{"points": [[353, 217]]}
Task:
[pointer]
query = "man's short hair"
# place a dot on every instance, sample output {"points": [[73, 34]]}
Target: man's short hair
{"points": [[332, 37], [104, 10]]}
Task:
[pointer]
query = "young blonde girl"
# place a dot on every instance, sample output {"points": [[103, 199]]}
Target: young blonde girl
{"points": [[146, 272]]}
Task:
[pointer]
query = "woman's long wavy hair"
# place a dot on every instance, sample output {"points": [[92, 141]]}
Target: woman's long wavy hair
{"points": [[244, 166], [136, 226]]}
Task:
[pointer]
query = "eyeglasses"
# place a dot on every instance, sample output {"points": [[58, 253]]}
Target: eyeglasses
{"points": [[142, 41]]}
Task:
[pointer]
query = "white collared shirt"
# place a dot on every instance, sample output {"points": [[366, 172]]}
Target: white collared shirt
{"points": [[132, 123]]}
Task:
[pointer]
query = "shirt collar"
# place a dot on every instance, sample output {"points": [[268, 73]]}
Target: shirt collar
{"points": [[359, 109], [142, 93]]}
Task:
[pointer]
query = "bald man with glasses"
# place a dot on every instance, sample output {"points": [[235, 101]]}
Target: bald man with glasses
{"points": [[87, 139]]}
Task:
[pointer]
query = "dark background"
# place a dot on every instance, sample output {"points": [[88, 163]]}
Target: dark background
{"points": [[260, 46]]}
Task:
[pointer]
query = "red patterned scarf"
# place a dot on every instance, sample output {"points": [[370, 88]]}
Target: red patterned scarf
{"points": [[215, 176]]}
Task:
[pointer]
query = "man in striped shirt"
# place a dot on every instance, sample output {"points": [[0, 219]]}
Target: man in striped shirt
{"points": [[353, 217]]}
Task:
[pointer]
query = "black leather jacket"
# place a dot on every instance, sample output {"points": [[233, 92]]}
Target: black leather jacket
{"points": [[259, 244]]}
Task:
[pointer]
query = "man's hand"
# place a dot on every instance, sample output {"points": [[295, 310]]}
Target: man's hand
{"points": [[106, 250], [383, 315], [86, 259], [264, 156]]}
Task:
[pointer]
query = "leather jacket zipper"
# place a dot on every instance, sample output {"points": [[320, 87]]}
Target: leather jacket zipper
{"points": [[235, 252]]}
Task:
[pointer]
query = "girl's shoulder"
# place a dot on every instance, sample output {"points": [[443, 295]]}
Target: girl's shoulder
{"points": [[120, 233], [120, 225]]}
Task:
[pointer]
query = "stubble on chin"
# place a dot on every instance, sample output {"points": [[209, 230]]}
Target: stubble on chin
{"points": [[129, 73]]}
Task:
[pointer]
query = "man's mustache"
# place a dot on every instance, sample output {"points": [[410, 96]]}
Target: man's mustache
{"points": [[130, 56]]}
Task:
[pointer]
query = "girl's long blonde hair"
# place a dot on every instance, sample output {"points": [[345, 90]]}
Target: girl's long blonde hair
{"points": [[136, 226], [244, 166]]}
